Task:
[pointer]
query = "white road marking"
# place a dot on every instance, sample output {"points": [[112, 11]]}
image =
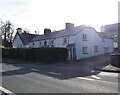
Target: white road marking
{"points": [[95, 77], [34, 69], [54, 73], [90, 79], [6, 91], [93, 71], [85, 78]]}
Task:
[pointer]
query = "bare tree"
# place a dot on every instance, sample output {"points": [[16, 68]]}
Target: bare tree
{"points": [[7, 33]]}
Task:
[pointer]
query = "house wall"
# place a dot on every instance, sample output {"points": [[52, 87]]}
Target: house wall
{"points": [[58, 42], [18, 43], [93, 39], [109, 43]]}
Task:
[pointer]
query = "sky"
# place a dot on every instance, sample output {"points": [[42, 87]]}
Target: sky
{"points": [[35, 15]]}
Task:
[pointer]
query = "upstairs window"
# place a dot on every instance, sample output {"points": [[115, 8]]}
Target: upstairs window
{"points": [[95, 48], [106, 49], [85, 50], [85, 37], [114, 34], [64, 40]]}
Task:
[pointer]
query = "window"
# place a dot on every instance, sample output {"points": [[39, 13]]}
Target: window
{"points": [[85, 37], [115, 44], [40, 43], [64, 40], [51, 42], [85, 50], [33, 43], [106, 49], [45, 43], [95, 48], [114, 34]]}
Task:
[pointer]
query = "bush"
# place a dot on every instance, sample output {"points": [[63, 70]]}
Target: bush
{"points": [[46, 55]]}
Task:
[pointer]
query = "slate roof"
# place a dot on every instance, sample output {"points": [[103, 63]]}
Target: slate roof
{"points": [[103, 35], [60, 33], [112, 27], [26, 37]]}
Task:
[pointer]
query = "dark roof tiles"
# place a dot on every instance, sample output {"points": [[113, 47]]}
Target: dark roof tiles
{"points": [[26, 37]]}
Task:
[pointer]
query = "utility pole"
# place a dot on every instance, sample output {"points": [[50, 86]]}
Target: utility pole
{"points": [[118, 27], [115, 57]]}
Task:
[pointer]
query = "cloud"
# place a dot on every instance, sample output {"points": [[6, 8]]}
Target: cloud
{"points": [[11, 8]]}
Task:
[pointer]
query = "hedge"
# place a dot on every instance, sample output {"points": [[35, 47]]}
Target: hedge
{"points": [[46, 55]]}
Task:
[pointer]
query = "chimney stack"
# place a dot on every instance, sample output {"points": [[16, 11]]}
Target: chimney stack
{"points": [[69, 26], [19, 30], [47, 31]]}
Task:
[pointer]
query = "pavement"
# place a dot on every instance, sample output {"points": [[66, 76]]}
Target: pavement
{"points": [[109, 68]]}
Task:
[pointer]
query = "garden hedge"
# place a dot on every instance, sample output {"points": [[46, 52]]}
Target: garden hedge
{"points": [[47, 55]]}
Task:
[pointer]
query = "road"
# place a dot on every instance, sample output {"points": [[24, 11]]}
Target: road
{"points": [[44, 78]]}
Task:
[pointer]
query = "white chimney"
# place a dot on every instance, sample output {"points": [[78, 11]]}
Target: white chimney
{"points": [[19, 30], [69, 26]]}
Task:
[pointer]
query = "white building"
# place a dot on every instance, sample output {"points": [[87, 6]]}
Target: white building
{"points": [[112, 30], [81, 41], [22, 39]]}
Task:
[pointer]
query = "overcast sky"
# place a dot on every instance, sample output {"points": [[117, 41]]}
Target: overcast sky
{"points": [[53, 14]]}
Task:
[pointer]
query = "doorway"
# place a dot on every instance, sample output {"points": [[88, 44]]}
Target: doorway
{"points": [[71, 52]]}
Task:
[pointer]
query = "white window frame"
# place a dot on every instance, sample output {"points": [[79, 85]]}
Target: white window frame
{"points": [[64, 40], [96, 48], [85, 50], [84, 36]]}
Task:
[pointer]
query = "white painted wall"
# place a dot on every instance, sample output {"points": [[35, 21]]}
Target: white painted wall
{"points": [[108, 43], [18, 43], [93, 40]]}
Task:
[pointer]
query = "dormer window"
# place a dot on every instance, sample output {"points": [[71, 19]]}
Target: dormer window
{"points": [[85, 37]]}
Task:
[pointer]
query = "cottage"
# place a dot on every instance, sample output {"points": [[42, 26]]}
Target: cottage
{"points": [[21, 40], [81, 41]]}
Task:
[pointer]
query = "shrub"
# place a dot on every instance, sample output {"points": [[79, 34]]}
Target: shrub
{"points": [[46, 55]]}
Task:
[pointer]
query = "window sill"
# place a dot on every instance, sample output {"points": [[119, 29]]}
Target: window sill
{"points": [[64, 43], [85, 40], [96, 51], [85, 53]]}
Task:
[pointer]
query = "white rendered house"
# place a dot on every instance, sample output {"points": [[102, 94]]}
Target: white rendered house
{"points": [[22, 39], [81, 41]]}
